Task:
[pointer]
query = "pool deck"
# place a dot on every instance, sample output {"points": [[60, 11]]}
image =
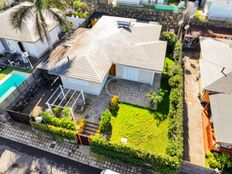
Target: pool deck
{"points": [[10, 74], [9, 69]]}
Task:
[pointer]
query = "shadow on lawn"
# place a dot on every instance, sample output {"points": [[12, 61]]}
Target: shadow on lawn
{"points": [[161, 113]]}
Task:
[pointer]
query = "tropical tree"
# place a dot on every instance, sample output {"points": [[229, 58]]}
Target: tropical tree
{"points": [[155, 97], [37, 9], [81, 9]]}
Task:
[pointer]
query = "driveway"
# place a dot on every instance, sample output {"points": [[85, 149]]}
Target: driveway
{"points": [[193, 134]]}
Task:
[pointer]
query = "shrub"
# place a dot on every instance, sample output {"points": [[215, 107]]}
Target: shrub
{"points": [[105, 124], [57, 131], [200, 17], [175, 81], [175, 126], [66, 123], [66, 112], [177, 53], [174, 69], [218, 160], [81, 124], [113, 105], [171, 39], [156, 97], [81, 9], [157, 162], [56, 110]]}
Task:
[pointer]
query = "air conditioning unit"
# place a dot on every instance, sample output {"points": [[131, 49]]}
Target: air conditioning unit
{"points": [[124, 24]]}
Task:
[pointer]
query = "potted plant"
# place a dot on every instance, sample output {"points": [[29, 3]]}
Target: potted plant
{"points": [[81, 125]]}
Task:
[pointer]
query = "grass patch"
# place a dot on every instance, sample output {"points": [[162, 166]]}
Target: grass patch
{"points": [[140, 128], [163, 106], [9, 69]]}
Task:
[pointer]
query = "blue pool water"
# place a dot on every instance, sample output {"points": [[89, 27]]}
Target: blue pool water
{"points": [[10, 84]]}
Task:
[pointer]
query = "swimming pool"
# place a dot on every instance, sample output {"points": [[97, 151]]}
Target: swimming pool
{"points": [[10, 83]]}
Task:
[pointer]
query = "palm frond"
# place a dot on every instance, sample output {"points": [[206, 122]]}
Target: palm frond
{"points": [[38, 27], [58, 4], [19, 16], [58, 17]]}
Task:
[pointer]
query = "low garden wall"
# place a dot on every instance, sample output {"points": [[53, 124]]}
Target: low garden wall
{"points": [[168, 20]]}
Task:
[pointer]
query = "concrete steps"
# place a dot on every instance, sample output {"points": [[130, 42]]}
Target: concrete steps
{"points": [[90, 128]]}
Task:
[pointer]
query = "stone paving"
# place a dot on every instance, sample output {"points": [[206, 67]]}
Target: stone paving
{"points": [[97, 106], [130, 91], [82, 154], [193, 134]]}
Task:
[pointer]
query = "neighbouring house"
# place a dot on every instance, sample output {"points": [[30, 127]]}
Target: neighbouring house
{"points": [[118, 47], [26, 40], [216, 93], [218, 9]]}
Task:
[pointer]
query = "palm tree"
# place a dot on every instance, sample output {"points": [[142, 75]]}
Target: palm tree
{"points": [[38, 9]]}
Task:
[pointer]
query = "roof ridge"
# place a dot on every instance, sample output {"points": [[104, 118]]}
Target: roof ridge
{"points": [[217, 64]]}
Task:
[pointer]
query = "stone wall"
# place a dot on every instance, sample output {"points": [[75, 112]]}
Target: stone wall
{"points": [[210, 23], [168, 20]]}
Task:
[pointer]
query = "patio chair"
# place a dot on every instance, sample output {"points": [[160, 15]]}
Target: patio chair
{"points": [[80, 105]]}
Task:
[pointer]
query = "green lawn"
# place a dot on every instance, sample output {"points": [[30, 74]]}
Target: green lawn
{"points": [[140, 128], [6, 71], [163, 106]]}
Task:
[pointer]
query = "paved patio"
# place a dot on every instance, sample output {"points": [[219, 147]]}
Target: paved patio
{"points": [[128, 91]]}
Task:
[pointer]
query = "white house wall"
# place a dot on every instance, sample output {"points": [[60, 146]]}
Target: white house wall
{"points": [[137, 2], [86, 86], [37, 48], [13, 45], [140, 75], [76, 21], [134, 2], [1, 47], [152, 1], [220, 10]]}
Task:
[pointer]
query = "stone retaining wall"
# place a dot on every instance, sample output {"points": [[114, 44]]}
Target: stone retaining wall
{"points": [[168, 20]]}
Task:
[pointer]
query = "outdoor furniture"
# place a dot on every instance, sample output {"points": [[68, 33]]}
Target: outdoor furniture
{"points": [[67, 98]]}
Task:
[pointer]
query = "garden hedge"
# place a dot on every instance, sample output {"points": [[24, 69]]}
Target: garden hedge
{"points": [[57, 131], [175, 127], [65, 123], [158, 162]]}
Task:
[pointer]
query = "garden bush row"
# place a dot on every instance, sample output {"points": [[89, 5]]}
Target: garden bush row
{"points": [[57, 131], [175, 127], [65, 123], [160, 163]]}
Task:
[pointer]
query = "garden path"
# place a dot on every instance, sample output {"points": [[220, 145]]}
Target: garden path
{"points": [[193, 134]]}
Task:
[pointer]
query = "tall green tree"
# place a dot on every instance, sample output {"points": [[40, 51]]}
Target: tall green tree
{"points": [[38, 9]]}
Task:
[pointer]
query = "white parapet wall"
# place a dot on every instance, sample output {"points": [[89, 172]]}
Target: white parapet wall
{"points": [[76, 21], [2, 49]]}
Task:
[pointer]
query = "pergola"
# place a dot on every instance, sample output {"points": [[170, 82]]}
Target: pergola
{"points": [[63, 98]]}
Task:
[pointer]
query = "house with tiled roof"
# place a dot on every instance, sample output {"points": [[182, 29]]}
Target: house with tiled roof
{"points": [[216, 93], [26, 40], [118, 47]]}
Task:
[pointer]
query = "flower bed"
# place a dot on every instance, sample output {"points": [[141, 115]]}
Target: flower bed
{"points": [[61, 127]]}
